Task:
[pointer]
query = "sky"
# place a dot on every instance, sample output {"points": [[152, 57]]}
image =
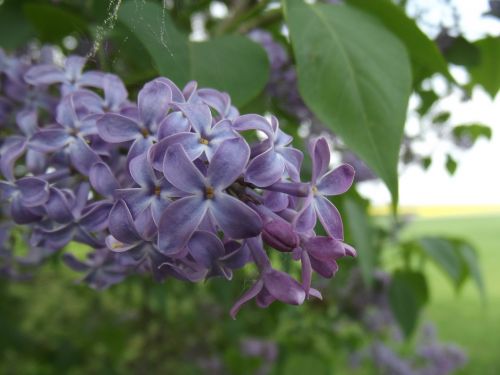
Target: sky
{"points": [[477, 179]]}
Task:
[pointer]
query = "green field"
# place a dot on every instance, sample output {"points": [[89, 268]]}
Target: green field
{"points": [[463, 318]]}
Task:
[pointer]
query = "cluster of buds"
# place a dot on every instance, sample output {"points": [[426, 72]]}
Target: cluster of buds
{"points": [[169, 185]]}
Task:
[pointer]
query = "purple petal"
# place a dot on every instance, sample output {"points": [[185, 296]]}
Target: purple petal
{"points": [[247, 296], [21, 214], [174, 123], [82, 156], [190, 143], [58, 207], [102, 179], [228, 163], [44, 74], [215, 99], [176, 92], [199, 117], [137, 199], [282, 287], [92, 78], [337, 181], [27, 120], [324, 248], [142, 172], [95, 218], [280, 234], [265, 169], [181, 172], [276, 201], [205, 248], [9, 156], [115, 92], [326, 269], [34, 191], [236, 219], [329, 217], [116, 128], [121, 224], [253, 122], [236, 258], [178, 223], [320, 154], [74, 66], [49, 140], [153, 102], [293, 160], [305, 220]]}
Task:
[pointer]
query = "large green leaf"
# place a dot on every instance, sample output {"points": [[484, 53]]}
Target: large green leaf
{"points": [[424, 54], [408, 293], [444, 254], [355, 76], [487, 72], [231, 63], [54, 22], [15, 29]]}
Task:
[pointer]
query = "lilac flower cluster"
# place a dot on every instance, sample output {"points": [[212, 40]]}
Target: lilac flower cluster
{"points": [[167, 185]]}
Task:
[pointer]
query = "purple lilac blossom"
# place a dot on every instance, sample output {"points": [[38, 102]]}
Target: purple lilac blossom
{"points": [[167, 186]]}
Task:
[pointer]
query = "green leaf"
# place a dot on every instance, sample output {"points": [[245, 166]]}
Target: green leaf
{"points": [[443, 253], [487, 72], [408, 293], [362, 236], [15, 30], [451, 164], [425, 56], [298, 364], [469, 257], [355, 76], [231, 63], [472, 132], [427, 99], [462, 52], [441, 117], [53, 22]]}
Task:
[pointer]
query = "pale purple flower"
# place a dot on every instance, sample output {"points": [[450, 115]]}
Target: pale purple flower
{"points": [[206, 195], [324, 183]]}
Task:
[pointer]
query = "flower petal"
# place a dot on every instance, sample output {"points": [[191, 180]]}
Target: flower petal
{"points": [[9, 156], [115, 128], [82, 156], [265, 169], [236, 219], [329, 217], [44, 74], [34, 191], [102, 179], [121, 224], [190, 143], [181, 172], [228, 163], [178, 223], [174, 123], [247, 296], [284, 288], [49, 140], [205, 248], [337, 181], [153, 101], [199, 117], [320, 154], [142, 172], [324, 248]]}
